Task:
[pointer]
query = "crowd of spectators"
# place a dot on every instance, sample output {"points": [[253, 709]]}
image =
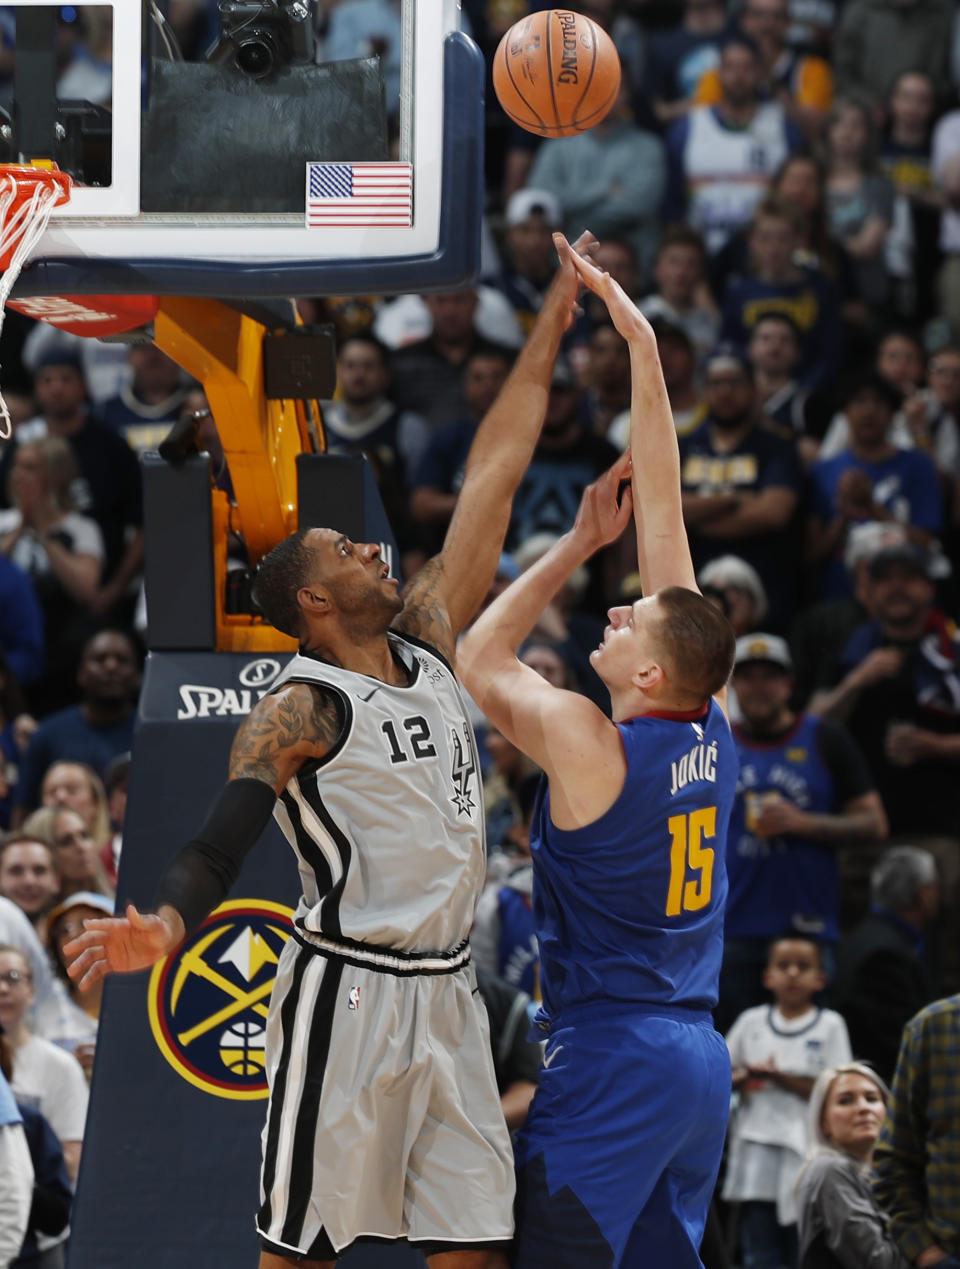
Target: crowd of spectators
{"points": [[778, 185]]}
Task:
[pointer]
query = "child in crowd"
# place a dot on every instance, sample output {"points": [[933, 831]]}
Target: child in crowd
{"points": [[777, 1051]]}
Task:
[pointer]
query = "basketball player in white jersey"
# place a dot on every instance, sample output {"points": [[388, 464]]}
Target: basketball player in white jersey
{"points": [[384, 1118]]}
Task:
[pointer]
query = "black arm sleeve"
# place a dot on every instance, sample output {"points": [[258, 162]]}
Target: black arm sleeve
{"points": [[200, 876]]}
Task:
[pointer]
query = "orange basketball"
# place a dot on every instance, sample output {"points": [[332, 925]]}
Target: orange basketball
{"points": [[556, 73]]}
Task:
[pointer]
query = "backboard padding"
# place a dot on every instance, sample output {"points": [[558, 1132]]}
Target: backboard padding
{"points": [[221, 142]]}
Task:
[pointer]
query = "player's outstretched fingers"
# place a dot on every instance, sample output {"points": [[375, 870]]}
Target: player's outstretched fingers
{"points": [[585, 245], [83, 964], [591, 276]]}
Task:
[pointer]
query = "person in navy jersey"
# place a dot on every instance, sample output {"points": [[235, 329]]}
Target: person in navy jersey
{"points": [[619, 1156], [143, 410], [742, 482], [774, 352], [775, 283], [805, 790], [873, 479], [530, 215], [364, 420]]}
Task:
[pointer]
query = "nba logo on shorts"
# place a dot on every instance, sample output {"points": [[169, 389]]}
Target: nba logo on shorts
{"points": [[353, 999]]}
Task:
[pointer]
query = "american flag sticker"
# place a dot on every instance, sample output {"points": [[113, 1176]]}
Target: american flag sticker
{"points": [[351, 195]]}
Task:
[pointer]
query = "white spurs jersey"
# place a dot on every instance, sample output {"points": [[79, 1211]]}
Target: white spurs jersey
{"points": [[388, 829]]}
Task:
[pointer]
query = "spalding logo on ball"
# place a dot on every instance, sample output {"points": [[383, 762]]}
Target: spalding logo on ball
{"points": [[556, 73], [208, 1001]]}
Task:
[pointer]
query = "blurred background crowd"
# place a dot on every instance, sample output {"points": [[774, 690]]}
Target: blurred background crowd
{"points": [[778, 185]]}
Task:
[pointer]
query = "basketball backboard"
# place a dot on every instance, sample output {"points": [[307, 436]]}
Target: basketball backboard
{"points": [[258, 170]]}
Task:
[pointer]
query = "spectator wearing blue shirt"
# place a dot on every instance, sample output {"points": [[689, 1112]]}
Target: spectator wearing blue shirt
{"points": [[21, 623], [873, 479], [775, 283], [95, 731], [804, 790]]}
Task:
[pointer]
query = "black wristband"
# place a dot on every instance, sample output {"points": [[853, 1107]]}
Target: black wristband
{"points": [[200, 876]]}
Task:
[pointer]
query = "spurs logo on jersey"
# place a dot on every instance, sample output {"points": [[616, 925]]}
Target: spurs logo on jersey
{"points": [[462, 772]]}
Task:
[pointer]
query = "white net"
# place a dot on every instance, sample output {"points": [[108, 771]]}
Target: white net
{"points": [[22, 224]]}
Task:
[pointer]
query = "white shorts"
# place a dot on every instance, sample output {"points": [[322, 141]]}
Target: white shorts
{"points": [[384, 1118]]}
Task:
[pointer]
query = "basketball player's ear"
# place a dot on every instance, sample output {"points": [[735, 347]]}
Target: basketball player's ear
{"points": [[313, 602], [647, 677]]}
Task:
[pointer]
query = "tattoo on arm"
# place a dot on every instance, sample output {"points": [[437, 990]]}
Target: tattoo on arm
{"points": [[425, 613], [283, 732]]}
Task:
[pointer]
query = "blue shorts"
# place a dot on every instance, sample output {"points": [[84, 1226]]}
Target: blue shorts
{"points": [[617, 1162]]}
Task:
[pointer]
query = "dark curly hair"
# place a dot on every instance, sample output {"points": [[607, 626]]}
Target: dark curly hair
{"points": [[279, 576]]}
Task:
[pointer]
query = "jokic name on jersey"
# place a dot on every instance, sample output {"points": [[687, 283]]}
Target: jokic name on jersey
{"points": [[699, 764]]}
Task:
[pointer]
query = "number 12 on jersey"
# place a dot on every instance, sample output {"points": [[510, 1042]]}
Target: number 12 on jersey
{"points": [[689, 893]]}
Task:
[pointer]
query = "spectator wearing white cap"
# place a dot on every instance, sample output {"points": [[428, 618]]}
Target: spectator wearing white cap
{"points": [[75, 1026], [805, 791], [531, 216], [740, 588]]}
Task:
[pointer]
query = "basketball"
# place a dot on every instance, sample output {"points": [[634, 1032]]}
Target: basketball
{"points": [[556, 73]]}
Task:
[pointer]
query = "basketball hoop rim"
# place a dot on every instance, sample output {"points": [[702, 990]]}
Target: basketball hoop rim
{"points": [[27, 176]]}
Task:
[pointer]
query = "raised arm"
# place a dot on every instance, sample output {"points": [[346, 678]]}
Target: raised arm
{"points": [[447, 592], [663, 553], [564, 733], [281, 733]]}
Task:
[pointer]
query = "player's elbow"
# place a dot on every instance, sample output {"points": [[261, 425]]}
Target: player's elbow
{"points": [[470, 654], [477, 660]]}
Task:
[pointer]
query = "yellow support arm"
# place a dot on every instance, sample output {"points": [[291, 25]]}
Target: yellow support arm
{"points": [[223, 349]]}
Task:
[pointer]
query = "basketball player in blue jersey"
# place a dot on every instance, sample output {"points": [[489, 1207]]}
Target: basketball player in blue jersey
{"points": [[619, 1157], [384, 1118]]}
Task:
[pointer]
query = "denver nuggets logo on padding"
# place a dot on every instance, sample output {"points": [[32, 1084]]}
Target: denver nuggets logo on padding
{"points": [[208, 1001]]}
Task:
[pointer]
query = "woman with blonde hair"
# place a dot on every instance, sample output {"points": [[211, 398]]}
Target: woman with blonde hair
{"points": [[77, 786], [75, 847], [839, 1223]]}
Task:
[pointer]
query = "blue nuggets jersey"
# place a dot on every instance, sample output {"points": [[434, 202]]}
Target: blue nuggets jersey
{"points": [[630, 908], [782, 883]]}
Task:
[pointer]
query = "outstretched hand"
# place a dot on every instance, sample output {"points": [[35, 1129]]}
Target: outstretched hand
{"points": [[568, 277], [606, 508], [624, 314], [120, 945]]}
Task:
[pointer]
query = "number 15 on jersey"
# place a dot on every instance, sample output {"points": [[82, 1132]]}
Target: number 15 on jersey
{"points": [[691, 863]]}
